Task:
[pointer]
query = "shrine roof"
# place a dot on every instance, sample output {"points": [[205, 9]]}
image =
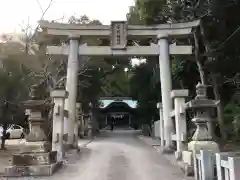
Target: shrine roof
{"points": [[110, 101]]}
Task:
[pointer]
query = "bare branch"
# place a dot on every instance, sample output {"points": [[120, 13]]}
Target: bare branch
{"points": [[59, 19], [60, 80], [40, 6], [86, 75], [43, 14], [83, 84], [83, 71]]}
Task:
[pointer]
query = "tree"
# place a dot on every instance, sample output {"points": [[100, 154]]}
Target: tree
{"points": [[13, 90], [219, 50], [216, 43], [24, 65], [144, 89], [151, 11], [144, 82], [133, 17]]}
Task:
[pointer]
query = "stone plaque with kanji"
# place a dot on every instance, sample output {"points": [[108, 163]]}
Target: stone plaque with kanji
{"points": [[119, 35]]}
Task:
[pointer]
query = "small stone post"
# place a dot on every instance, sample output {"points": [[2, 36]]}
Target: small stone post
{"points": [[82, 124], [129, 120], [180, 119], [78, 107], [89, 125], [161, 124], [58, 96], [106, 120]]}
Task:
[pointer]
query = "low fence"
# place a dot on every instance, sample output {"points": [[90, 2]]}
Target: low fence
{"points": [[205, 165], [228, 166], [178, 116], [219, 166]]}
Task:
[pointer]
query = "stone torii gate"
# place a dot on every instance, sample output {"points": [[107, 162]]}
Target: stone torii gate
{"points": [[119, 32]]}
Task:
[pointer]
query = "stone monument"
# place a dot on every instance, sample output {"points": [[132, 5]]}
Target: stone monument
{"points": [[36, 157]]}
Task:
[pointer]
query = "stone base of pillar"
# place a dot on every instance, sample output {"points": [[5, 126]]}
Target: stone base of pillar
{"points": [[178, 155], [39, 146], [196, 146], [167, 150], [33, 164], [68, 142], [81, 135], [90, 134], [75, 144], [188, 170], [35, 159], [185, 167], [68, 147], [70, 139]]}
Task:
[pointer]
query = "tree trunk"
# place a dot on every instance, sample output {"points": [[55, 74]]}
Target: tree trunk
{"points": [[214, 86], [4, 135], [3, 143], [220, 106], [198, 60]]}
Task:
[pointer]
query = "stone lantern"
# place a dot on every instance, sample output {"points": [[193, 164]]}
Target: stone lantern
{"points": [[202, 107], [36, 140], [36, 158]]}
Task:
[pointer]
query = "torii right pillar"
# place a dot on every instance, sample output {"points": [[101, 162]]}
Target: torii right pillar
{"points": [[166, 87]]}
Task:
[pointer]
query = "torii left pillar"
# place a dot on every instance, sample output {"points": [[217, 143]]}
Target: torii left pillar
{"points": [[166, 87], [71, 87]]}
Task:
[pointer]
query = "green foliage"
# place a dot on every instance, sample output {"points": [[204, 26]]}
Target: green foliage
{"points": [[181, 68], [218, 38], [151, 11], [143, 90], [107, 78], [116, 84], [133, 17], [13, 90], [13, 82], [232, 118]]}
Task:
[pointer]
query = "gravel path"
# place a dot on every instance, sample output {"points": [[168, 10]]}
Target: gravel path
{"points": [[118, 155]]}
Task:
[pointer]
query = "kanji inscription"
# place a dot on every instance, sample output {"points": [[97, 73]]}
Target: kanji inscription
{"points": [[119, 35]]}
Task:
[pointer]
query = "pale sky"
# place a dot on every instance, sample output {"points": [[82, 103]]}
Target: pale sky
{"points": [[14, 13]]}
